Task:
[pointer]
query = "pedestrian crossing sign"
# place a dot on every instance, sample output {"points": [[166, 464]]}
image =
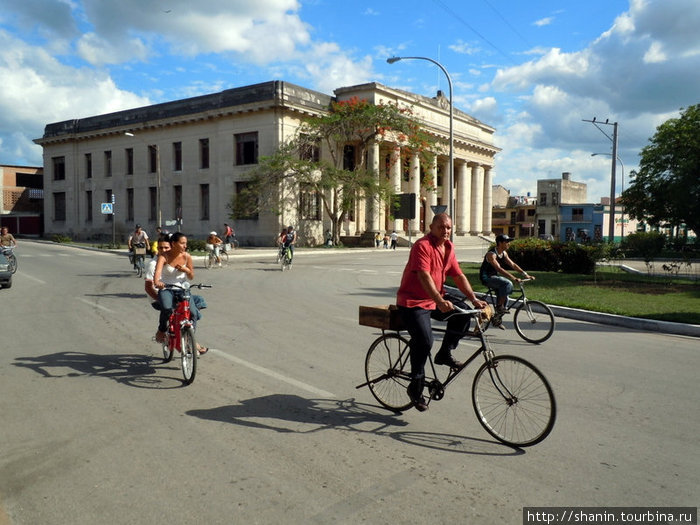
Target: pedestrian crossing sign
{"points": [[107, 208]]}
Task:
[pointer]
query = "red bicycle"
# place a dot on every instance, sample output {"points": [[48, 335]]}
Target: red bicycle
{"points": [[180, 335]]}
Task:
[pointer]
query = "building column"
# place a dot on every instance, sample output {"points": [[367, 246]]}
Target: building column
{"points": [[431, 191], [414, 187], [488, 202], [371, 203], [463, 184], [395, 171], [477, 204], [446, 185]]}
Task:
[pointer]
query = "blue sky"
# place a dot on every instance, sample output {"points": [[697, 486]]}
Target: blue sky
{"points": [[532, 69]]}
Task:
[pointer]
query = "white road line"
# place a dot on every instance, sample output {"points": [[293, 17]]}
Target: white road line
{"points": [[95, 305], [32, 278], [273, 374]]}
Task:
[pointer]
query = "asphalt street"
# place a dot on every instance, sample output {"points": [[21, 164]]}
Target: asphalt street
{"points": [[97, 429]]}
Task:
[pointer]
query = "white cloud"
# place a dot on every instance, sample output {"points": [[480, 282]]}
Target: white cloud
{"points": [[464, 48], [543, 21]]}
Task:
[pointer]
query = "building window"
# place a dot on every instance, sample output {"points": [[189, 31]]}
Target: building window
{"points": [[543, 199], [88, 165], [177, 156], [108, 163], [108, 198], [555, 198], [246, 148], [204, 201], [59, 168], [130, 204], [204, 154], [129, 161], [152, 159], [177, 194], [577, 214], [309, 150], [59, 206], [88, 206], [245, 210], [153, 203], [310, 204], [349, 157]]}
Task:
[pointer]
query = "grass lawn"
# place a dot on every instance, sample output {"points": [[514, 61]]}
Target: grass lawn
{"points": [[611, 290]]}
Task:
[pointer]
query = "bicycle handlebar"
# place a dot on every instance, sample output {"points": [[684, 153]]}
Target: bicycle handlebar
{"points": [[186, 286]]}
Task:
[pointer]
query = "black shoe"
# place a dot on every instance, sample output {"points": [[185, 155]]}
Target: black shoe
{"points": [[415, 390], [445, 358]]}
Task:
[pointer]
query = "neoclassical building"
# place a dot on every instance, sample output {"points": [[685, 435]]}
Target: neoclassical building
{"points": [[180, 163]]}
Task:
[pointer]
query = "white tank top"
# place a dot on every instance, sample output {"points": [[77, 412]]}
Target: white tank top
{"points": [[169, 275]]}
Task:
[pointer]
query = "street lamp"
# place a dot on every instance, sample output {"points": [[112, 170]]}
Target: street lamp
{"points": [[160, 224], [449, 83], [622, 214]]}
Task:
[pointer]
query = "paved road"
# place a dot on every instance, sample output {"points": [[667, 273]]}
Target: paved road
{"points": [[97, 430]]}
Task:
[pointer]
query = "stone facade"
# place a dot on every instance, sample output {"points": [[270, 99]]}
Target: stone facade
{"points": [[197, 152]]}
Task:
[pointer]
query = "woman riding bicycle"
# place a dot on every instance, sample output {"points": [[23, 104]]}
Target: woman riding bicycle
{"points": [[172, 268]]}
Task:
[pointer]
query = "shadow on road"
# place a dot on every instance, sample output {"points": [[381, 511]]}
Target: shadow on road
{"points": [[133, 370], [289, 413]]}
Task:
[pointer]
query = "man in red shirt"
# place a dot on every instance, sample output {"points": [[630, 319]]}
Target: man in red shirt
{"points": [[422, 296]]}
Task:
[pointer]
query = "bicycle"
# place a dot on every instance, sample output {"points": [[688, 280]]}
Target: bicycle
{"points": [[138, 257], [9, 253], [285, 258], [512, 399], [180, 334], [533, 320], [210, 258]]}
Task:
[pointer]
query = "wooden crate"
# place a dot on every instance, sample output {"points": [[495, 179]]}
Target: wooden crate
{"points": [[384, 317]]}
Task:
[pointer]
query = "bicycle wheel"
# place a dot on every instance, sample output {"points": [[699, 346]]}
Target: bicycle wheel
{"points": [[513, 401], [167, 352], [387, 369], [223, 257], [188, 354], [12, 263], [208, 260], [140, 266], [534, 322]]}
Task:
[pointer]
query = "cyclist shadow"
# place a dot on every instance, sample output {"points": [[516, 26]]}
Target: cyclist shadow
{"points": [[293, 414], [130, 369]]}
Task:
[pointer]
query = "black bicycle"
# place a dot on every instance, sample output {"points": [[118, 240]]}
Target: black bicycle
{"points": [[533, 320], [512, 399], [138, 257]]}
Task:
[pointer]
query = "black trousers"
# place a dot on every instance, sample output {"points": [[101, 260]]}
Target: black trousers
{"points": [[418, 324]]}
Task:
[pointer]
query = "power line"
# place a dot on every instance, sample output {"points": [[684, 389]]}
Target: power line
{"points": [[464, 22]]}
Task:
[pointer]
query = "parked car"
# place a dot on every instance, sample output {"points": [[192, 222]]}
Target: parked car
{"points": [[546, 237], [5, 273]]}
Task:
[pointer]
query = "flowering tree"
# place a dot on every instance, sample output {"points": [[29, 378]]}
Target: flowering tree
{"points": [[316, 161]]}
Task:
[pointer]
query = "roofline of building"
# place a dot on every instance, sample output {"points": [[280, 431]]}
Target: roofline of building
{"points": [[274, 93]]}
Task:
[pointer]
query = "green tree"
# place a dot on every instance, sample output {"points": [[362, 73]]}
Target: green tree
{"points": [[666, 189], [296, 168]]}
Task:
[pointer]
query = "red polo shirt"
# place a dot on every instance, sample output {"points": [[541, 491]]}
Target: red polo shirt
{"points": [[426, 256]]}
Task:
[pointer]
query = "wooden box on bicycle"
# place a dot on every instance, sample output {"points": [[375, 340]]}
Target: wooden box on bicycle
{"points": [[384, 317]]}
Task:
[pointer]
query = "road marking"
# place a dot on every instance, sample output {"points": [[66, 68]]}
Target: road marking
{"points": [[32, 278], [95, 305], [273, 374]]}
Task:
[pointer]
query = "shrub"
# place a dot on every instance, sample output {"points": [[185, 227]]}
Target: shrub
{"points": [[534, 254], [196, 245], [647, 245], [59, 238]]}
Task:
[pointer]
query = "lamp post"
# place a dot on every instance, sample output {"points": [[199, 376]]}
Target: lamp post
{"points": [[449, 83], [158, 210], [622, 211]]}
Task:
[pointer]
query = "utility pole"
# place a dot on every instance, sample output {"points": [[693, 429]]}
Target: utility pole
{"points": [[613, 156]]}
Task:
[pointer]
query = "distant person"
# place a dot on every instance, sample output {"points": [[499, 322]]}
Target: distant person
{"points": [[137, 237], [228, 233], [214, 246], [394, 239]]}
